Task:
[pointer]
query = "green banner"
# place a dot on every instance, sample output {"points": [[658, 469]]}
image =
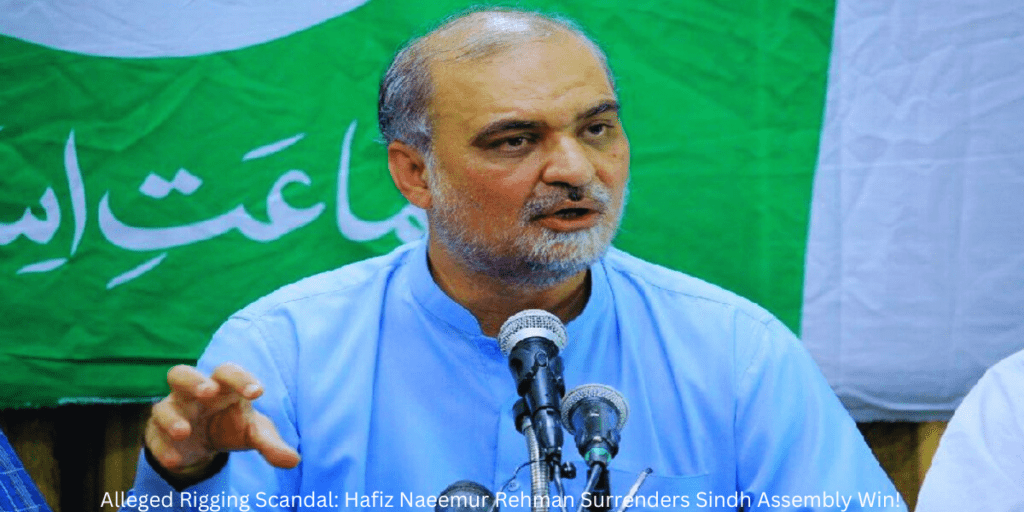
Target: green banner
{"points": [[145, 199]]}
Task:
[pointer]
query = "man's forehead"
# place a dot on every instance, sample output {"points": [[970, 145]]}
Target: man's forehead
{"points": [[485, 33], [466, 51], [547, 84], [545, 66], [408, 105]]}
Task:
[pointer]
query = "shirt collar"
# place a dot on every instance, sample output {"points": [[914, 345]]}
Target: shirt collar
{"points": [[430, 296]]}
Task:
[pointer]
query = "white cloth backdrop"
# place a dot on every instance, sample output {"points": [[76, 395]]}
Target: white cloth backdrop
{"points": [[915, 262]]}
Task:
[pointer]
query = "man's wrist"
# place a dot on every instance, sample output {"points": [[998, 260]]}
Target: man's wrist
{"points": [[189, 475]]}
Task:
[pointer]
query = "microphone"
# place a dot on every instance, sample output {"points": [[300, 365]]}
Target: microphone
{"points": [[531, 339], [466, 496], [595, 414]]}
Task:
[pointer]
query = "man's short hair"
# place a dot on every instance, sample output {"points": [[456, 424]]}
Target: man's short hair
{"points": [[406, 88]]}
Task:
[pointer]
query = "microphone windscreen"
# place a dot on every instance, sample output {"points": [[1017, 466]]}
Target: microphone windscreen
{"points": [[584, 395], [531, 323], [465, 496]]}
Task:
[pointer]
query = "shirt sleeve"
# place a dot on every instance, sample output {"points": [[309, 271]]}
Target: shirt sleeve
{"points": [[797, 446], [247, 479], [979, 464]]}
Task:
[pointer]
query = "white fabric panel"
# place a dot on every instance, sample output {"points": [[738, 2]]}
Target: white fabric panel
{"points": [[161, 28], [915, 261]]}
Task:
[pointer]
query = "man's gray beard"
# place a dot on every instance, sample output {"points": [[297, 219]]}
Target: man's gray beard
{"points": [[531, 261]]}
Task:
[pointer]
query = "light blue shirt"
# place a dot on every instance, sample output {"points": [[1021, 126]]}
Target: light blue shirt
{"points": [[386, 385]]}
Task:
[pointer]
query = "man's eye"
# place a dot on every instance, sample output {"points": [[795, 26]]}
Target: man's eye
{"points": [[598, 129], [512, 143]]}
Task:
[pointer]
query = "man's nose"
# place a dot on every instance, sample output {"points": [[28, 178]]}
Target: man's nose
{"points": [[569, 163]]}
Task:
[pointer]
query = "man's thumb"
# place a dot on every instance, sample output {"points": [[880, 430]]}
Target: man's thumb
{"points": [[268, 442]]}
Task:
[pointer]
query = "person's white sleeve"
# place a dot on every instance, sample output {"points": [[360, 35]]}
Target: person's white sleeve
{"points": [[979, 464]]}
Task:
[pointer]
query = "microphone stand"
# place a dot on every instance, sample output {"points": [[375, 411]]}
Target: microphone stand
{"points": [[542, 470], [628, 499], [539, 470], [598, 490]]}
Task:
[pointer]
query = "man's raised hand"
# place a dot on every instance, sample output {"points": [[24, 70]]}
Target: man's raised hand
{"points": [[204, 416]]}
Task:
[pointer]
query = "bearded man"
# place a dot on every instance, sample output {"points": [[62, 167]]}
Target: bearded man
{"points": [[385, 375]]}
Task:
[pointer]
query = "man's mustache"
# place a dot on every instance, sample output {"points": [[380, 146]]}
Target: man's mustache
{"points": [[594, 194]]}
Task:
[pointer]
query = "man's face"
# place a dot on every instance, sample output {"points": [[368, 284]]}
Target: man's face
{"points": [[529, 163]]}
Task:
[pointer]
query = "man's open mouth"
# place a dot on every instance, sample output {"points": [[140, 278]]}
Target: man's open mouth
{"points": [[572, 213]]}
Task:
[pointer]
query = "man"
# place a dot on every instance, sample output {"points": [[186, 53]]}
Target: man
{"points": [[382, 380], [980, 461]]}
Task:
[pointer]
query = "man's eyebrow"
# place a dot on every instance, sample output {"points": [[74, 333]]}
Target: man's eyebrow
{"points": [[503, 126], [605, 106]]}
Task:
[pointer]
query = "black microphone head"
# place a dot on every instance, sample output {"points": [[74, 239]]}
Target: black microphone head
{"points": [[531, 323], [585, 395], [465, 496]]}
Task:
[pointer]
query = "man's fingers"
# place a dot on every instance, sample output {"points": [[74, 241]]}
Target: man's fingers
{"points": [[238, 379], [162, 448], [170, 419], [265, 439], [188, 381]]}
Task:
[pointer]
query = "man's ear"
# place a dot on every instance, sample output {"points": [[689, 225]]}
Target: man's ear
{"points": [[409, 172]]}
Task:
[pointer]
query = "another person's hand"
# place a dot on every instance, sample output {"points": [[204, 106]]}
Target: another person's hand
{"points": [[204, 416]]}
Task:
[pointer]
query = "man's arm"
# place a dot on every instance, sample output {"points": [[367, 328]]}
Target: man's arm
{"points": [[210, 412], [794, 438]]}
